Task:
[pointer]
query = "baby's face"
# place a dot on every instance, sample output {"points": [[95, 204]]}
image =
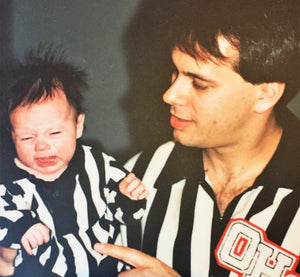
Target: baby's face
{"points": [[45, 135]]}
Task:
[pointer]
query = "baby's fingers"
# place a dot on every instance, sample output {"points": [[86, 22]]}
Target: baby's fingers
{"points": [[139, 192], [132, 187], [44, 233], [36, 235], [143, 195], [129, 178], [30, 242], [26, 245], [125, 183]]}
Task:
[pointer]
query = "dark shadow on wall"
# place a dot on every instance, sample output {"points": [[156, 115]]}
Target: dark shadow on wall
{"points": [[147, 48], [148, 44]]}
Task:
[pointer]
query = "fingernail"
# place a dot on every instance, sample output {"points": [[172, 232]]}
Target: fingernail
{"points": [[99, 246]]}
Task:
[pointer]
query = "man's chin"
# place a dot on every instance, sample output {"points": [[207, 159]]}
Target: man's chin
{"points": [[181, 138], [185, 140]]}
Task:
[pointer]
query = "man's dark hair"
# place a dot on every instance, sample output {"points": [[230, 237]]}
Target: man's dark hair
{"points": [[265, 33], [44, 69]]}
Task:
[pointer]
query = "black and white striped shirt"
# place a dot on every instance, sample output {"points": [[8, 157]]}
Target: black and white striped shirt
{"points": [[81, 207], [183, 226]]}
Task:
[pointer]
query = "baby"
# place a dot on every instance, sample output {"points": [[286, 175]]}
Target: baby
{"points": [[69, 196]]}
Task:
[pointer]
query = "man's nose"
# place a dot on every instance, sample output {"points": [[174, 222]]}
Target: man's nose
{"points": [[176, 94], [41, 145]]}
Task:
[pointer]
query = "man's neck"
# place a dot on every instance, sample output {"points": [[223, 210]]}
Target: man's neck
{"points": [[231, 170]]}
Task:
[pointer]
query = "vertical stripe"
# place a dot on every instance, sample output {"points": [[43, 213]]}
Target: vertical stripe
{"points": [[163, 184], [45, 256], [245, 203], [291, 240], [154, 168], [60, 266], [155, 219], [80, 257], [182, 261], [263, 218], [263, 200], [93, 175], [284, 215], [100, 233], [201, 236], [169, 228], [131, 163], [80, 206], [123, 235]]}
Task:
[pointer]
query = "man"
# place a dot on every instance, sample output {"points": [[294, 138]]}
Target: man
{"points": [[224, 198]]}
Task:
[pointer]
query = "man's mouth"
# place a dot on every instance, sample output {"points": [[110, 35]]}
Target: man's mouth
{"points": [[178, 123]]}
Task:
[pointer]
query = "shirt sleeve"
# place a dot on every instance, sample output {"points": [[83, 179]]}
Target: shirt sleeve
{"points": [[15, 217]]}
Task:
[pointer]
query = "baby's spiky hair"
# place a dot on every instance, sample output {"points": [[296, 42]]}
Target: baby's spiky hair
{"points": [[45, 69]]}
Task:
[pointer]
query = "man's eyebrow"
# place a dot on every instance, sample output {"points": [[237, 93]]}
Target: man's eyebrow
{"points": [[200, 77]]}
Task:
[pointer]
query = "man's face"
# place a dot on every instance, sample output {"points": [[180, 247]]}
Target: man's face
{"points": [[45, 134], [210, 103]]}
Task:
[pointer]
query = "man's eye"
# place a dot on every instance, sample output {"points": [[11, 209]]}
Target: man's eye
{"points": [[199, 86]]}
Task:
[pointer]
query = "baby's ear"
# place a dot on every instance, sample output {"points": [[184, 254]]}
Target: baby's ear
{"points": [[269, 94], [80, 125]]}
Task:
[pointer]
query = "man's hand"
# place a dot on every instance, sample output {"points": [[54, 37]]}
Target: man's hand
{"points": [[7, 257], [145, 265], [132, 187], [36, 235]]}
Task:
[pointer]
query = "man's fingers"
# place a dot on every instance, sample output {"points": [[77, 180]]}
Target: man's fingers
{"points": [[144, 265], [128, 255], [132, 273]]}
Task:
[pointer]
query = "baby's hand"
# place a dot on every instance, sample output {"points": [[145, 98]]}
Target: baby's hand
{"points": [[36, 235], [133, 188]]}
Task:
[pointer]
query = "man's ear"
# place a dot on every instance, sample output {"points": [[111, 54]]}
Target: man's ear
{"points": [[268, 95], [80, 125]]}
